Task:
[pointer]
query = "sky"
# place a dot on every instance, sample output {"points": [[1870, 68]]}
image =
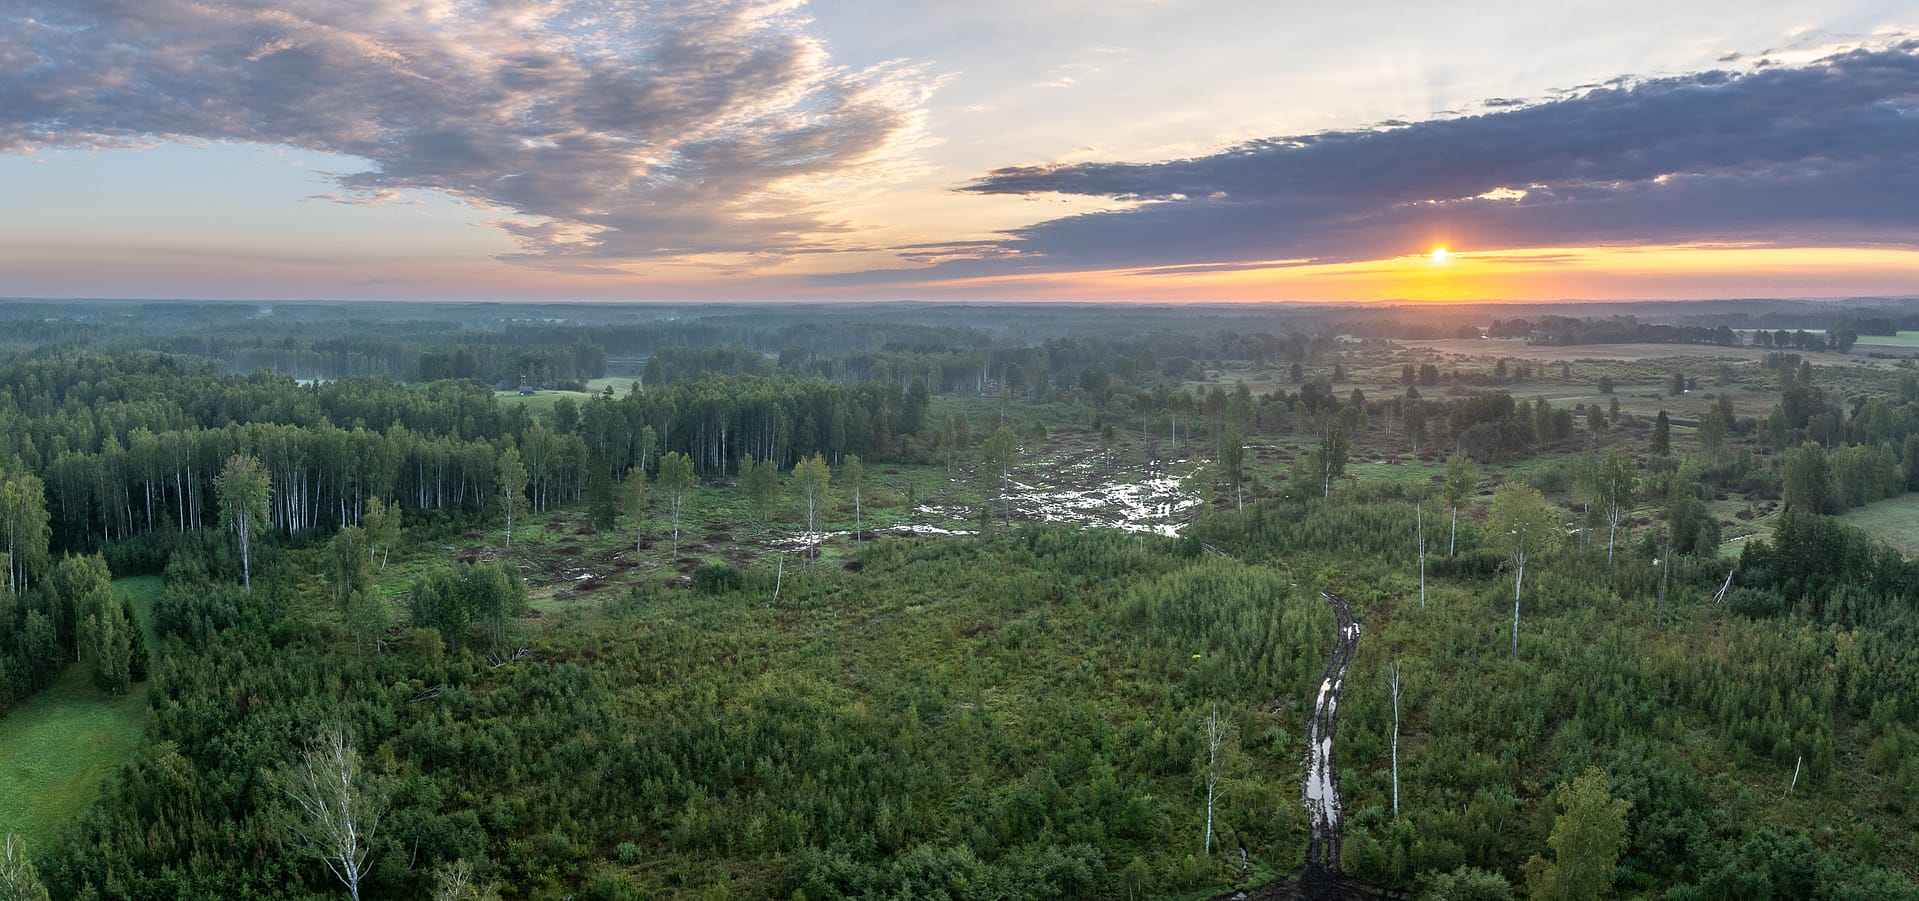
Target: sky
{"points": [[1149, 150]]}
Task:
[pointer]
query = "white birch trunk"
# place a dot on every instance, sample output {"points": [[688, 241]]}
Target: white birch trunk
{"points": [[1395, 741], [1214, 736], [1419, 527], [1518, 577]]}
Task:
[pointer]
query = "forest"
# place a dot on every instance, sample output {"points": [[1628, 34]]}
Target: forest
{"points": [[488, 601]]}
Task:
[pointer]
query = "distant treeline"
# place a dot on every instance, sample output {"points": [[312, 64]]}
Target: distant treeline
{"points": [[129, 445], [1564, 330]]}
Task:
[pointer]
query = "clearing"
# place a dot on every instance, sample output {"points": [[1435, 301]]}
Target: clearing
{"points": [[60, 746], [1894, 521]]}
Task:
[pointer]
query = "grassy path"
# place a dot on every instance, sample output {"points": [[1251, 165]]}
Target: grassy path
{"points": [[57, 749]]}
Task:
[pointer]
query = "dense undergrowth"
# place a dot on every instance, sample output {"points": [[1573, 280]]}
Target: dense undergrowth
{"points": [[1021, 716]]}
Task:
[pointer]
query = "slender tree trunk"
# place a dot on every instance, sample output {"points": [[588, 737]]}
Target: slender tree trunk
{"points": [[1419, 526], [1518, 577], [1452, 543], [246, 561], [1395, 740], [1665, 570], [1213, 739]]}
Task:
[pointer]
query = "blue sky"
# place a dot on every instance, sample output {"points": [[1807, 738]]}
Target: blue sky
{"points": [[1049, 149]]}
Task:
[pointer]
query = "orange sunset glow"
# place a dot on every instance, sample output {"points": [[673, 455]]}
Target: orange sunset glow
{"points": [[1155, 154]]}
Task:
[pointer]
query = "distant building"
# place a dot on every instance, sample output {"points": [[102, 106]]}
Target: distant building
{"points": [[526, 390], [503, 385]]}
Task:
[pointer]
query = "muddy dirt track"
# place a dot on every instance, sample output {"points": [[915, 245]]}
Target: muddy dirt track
{"points": [[1319, 784], [1320, 879]]}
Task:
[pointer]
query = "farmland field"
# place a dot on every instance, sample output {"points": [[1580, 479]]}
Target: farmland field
{"points": [[1903, 339]]}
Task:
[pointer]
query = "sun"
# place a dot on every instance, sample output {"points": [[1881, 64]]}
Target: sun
{"points": [[1440, 254]]}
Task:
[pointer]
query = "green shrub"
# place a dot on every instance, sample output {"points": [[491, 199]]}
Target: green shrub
{"points": [[718, 578]]}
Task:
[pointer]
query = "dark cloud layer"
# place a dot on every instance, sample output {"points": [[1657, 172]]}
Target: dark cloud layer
{"points": [[1800, 155], [621, 130]]}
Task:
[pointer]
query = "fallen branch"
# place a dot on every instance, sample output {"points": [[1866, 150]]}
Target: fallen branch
{"points": [[427, 695], [495, 660], [1720, 598]]}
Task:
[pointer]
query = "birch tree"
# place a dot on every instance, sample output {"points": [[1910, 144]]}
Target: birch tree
{"points": [[812, 478], [853, 473], [349, 570], [635, 495], [1329, 460], [649, 442], [512, 487], [382, 524], [1394, 684], [995, 467], [1232, 459], [1419, 542], [336, 808], [456, 881], [23, 513], [1527, 528], [1215, 738], [1462, 482], [761, 480], [1587, 837], [677, 483], [244, 490], [1614, 484], [18, 882]]}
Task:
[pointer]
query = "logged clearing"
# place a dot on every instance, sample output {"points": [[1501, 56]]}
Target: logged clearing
{"points": [[1069, 476]]}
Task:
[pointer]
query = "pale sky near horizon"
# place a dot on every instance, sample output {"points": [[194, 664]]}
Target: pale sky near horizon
{"points": [[1048, 149]]}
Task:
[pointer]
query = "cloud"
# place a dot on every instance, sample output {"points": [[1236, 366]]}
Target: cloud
{"points": [[1820, 152], [602, 131]]}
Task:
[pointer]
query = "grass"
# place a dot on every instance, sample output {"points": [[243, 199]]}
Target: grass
{"points": [[539, 402], [60, 746], [1894, 521], [1903, 339]]}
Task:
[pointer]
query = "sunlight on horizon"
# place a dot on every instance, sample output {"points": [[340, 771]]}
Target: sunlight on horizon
{"points": [[1691, 271]]}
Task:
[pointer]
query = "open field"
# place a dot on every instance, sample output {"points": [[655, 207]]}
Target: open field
{"points": [[1516, 348], [1894, 521], [62, 744], [540, 401], [1901, 340]]}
